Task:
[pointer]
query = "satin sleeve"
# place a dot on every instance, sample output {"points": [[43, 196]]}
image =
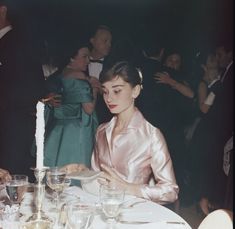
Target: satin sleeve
{"points": [[94, 161], [165, 189]]}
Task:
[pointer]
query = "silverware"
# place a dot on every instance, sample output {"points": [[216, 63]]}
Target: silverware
{"points": [[146, 222], [133, 222], [133, 204], [175, 222]]}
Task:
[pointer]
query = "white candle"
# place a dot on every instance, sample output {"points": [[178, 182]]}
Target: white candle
{"points": [[39, 135]]}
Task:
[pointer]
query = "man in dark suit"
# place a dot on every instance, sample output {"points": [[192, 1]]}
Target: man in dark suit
{"points": [[21, 86], [150, 63], [101, 44], [211, 135]]}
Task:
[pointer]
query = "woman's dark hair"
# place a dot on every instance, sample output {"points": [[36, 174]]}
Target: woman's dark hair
{"points": [[122, 69], [69, 53]]}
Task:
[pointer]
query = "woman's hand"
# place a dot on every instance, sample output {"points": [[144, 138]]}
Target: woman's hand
{"points": [[210, 74], [71, 168], [164, 77], [4, 176], [110, 176], [53, 99], [95, 83]]}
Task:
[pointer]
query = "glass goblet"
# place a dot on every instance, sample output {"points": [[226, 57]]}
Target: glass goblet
{"points": [[79, 214], [56, 180], [16, 188], [111, 199], [67, 183]]}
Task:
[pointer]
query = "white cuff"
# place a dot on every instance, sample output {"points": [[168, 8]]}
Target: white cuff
{"points": [[210, 99]]}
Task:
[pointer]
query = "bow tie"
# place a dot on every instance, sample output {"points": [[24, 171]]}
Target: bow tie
{"points": [[96, 61]]}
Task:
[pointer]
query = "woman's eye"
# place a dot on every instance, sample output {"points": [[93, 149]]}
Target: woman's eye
{"points": [[117, 91], [105, 92]]}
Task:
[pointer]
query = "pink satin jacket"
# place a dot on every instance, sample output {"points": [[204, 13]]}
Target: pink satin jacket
{"points": [[138, 153]]}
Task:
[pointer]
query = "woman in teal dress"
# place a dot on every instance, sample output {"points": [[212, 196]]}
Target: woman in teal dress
{"points": [[71, 127]]}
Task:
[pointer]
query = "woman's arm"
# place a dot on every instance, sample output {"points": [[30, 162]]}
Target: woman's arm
{"points": [[90, 107], [96, 88], [183, 88], [74, 167], [165, 189], [202, 95]]}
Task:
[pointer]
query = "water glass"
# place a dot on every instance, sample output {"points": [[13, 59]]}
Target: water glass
{"points": [[79, 214], [111, 198], [56, 180], [16, 188]]}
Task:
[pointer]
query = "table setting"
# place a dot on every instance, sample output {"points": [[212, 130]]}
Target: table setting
{"points": [[52, 202], [78, 208]]}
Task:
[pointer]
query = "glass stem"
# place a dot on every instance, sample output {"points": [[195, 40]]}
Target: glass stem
{"points": [[111, 223]]}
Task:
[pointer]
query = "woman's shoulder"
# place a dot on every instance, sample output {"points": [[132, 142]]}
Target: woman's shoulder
{"points": [[152, 129], [101, 128], [75, 82], [145, 125]]}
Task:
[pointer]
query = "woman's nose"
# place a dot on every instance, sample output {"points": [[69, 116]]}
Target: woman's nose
{"points": [[108, 98]]}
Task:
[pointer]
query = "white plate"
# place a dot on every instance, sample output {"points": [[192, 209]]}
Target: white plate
{"points": [[91, 186], [84, 175]]}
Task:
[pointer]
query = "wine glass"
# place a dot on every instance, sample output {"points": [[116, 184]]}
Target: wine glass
{"points": [[16, 188], [67, 183], [79, 214], [56, 180], [111, 198]]}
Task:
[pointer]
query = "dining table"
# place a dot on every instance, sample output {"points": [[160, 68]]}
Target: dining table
{"points": [[135, 213]]}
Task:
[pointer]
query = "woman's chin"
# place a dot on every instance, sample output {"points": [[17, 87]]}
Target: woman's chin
{"points": [[113, 112]]}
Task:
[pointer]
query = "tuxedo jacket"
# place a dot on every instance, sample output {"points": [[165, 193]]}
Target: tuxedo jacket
{"points": [[21, 86], [21, 77]]}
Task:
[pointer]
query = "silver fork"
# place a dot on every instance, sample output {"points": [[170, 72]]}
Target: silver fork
{"points": [[135, 203]]}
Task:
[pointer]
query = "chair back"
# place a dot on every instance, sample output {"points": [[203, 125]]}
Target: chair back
{"points": [[218, 219]]}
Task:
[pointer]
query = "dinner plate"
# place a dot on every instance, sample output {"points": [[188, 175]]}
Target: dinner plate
{"points": [[84, 175], [91, 186]]}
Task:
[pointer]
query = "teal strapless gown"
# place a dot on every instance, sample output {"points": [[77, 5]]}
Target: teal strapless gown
{"points": [[70, 132]]}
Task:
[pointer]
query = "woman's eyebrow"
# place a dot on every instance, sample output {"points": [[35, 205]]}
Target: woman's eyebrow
{"points": [[114, 86], [118, 85]]}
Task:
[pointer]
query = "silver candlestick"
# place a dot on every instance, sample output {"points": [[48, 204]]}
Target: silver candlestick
{"points": [[39, 194]]}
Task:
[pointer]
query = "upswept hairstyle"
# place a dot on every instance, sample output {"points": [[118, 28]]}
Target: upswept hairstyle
{"points": [[125, 70]]}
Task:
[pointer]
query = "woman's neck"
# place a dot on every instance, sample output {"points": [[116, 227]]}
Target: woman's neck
{"points": [[124, 118]]}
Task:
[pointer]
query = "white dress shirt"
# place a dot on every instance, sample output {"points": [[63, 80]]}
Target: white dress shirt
{"points": [[95, 68]]}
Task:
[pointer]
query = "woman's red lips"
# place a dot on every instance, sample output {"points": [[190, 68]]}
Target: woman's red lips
{"points": [[112, 106]]}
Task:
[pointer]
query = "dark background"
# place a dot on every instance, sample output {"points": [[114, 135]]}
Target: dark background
{"points": [[190, 24]]}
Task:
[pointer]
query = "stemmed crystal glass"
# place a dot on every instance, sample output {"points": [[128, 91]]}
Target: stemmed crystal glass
{"points": [[55, 179], [79, 214], [16, 188], [111, 198]]}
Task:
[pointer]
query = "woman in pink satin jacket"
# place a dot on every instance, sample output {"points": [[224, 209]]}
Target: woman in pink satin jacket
{"points": [[129, 149]]}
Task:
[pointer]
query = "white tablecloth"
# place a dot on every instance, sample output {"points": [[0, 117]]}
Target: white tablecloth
{"points": [[156, 214]]}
